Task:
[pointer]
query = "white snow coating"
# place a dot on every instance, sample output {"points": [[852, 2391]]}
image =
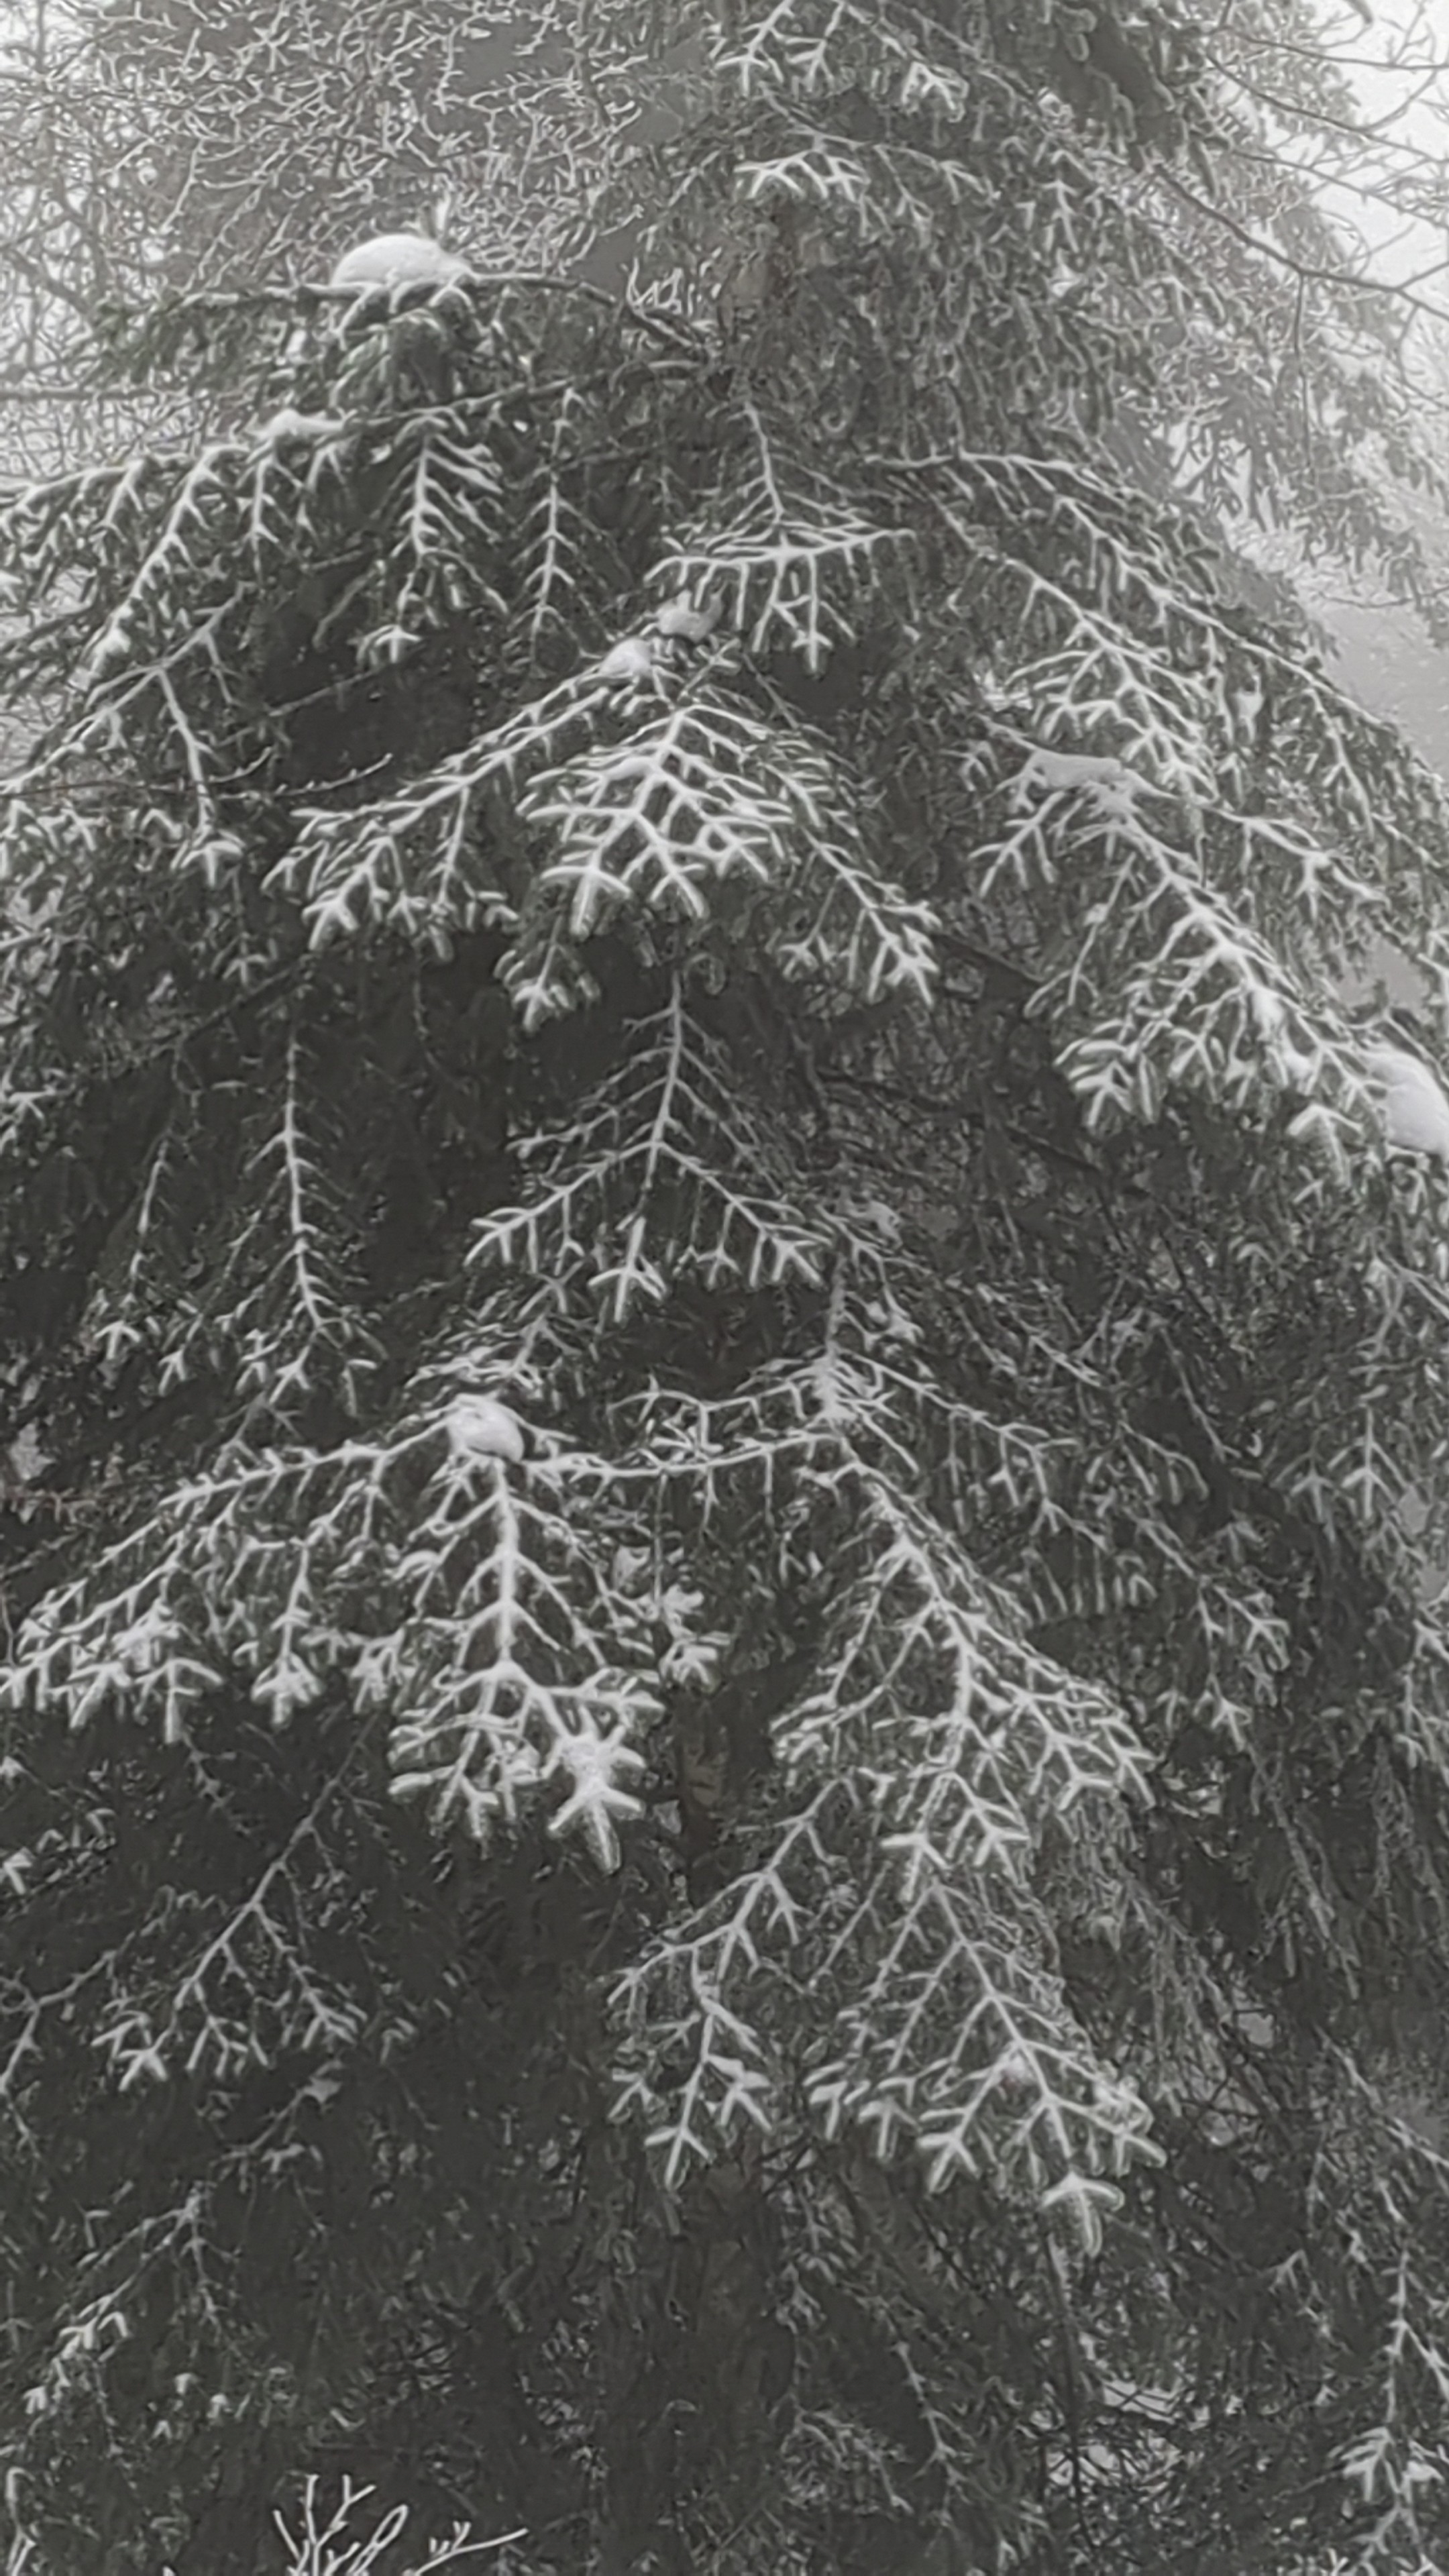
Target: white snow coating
{"points": [[290, 424], [479, 1427], [1412, 1103], [681, 618], [1058, 770], [398, 259], [631, 660], [599, 1766]]}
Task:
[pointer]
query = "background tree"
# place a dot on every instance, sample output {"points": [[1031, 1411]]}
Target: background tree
{"points": [[725, 1796], [159, 147]]}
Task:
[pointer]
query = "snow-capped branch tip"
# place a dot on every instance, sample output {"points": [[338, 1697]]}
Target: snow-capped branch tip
{"points": [[396, 259], [1411, 1101]]}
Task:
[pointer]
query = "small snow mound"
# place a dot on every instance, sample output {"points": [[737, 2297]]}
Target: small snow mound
{"points": [[690, 625], [397, 259], [1411, 1102], [287, 426], [631, 660], [1059, 772], [478, 1427]]}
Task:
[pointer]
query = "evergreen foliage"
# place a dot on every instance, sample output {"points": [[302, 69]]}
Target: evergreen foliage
{"points": [[725, 1785], [156, 146]]}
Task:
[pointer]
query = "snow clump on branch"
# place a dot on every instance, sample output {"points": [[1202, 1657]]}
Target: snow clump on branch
{"points": [[397, 259], [479, 1427], [1411, 1102]]}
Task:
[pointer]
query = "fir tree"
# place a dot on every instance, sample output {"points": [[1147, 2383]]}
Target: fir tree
{"points": [[725, 1783]]}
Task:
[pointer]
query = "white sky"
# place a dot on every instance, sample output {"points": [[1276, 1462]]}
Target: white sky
{"points": [[1399, 66]]}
